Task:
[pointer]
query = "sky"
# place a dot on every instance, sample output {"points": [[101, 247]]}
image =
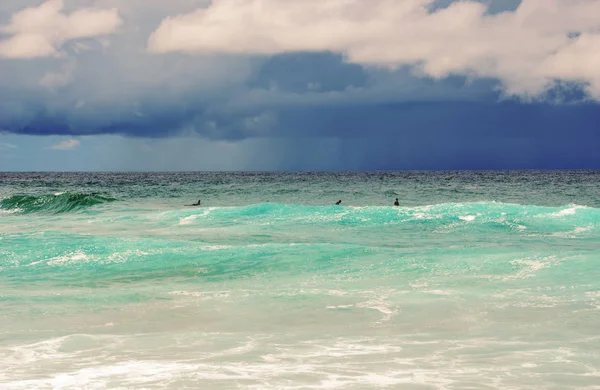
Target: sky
{"points": [[200, 85]]}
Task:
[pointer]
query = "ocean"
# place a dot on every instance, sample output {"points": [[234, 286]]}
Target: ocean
{"points": [[478, 280]]}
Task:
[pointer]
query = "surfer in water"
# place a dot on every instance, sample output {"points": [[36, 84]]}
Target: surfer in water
{"points": [[338, 202], [195, 204], [396, 203]]}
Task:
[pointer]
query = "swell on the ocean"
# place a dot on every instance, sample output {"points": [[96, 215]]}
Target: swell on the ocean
{"points": [[477, 280], [53, 203], [439, 214]]}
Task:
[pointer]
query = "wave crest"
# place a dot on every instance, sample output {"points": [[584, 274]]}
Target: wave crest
{"points": [[504, 214], [53, 203]]}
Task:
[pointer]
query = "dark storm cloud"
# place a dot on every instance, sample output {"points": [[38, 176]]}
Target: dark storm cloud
{"points": [[300, 107], [305, 72]]}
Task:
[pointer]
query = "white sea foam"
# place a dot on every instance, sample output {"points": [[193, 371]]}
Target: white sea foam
{"points": [[127, 255], [566, 212], [438, 292], [209, 248], [529, 268], [204, 295], [291, 361], [63, 347], [593, 294], [11, 211], [75, 257], [573, 233], [467, 218], [339, 307], [191, 218], [383, 306], [582, 229], [34, 263], [187, 220], [30, 353], [131, 373]]}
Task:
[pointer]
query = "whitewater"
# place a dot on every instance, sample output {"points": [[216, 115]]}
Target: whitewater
{"points": [[479, 280]]}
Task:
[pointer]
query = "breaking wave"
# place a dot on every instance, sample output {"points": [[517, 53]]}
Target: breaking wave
{"points": [[52, 203], [438, 214]]}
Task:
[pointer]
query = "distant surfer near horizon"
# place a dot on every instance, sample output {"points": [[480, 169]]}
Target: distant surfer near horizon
{"points": [[338, 202], [396, 203], [195, 204]]}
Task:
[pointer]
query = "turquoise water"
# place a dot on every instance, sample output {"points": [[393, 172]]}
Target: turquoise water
{"points": [[479, 280]]}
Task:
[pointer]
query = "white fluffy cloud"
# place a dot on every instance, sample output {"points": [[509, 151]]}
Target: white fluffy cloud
{"points": [[69, 144], [527, 49], [40, 31]]}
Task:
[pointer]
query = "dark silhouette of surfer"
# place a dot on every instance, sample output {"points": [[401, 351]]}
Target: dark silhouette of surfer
{"points": [[195, 204], [396, 203], [338, 202]]}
